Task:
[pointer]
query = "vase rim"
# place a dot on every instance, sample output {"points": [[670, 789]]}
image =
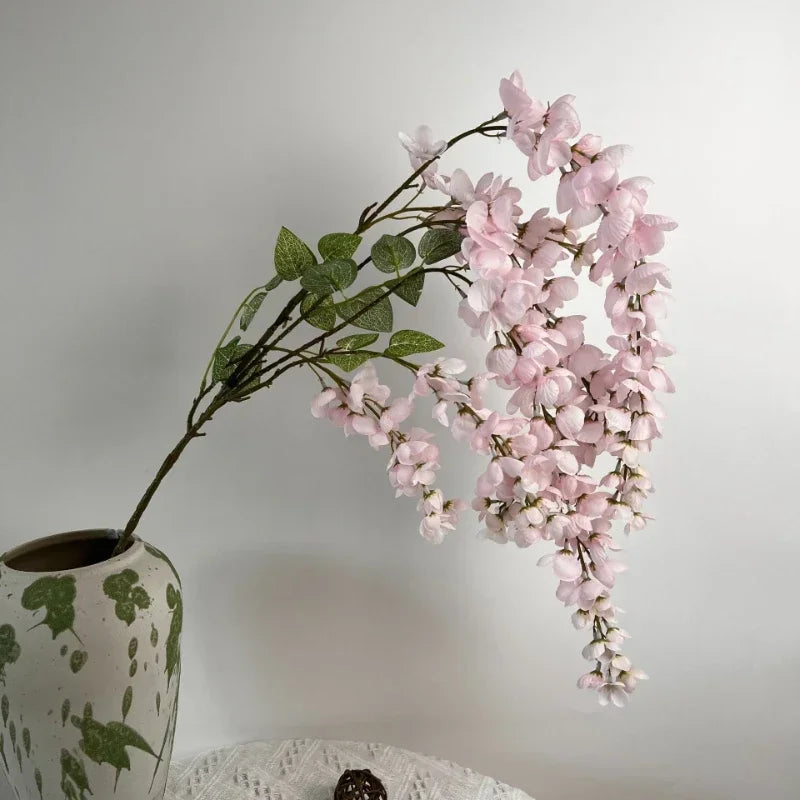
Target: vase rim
{"points": [[44, 543]]}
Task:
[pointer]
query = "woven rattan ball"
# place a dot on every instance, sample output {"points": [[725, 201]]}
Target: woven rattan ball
{"points": [[359, 784]]}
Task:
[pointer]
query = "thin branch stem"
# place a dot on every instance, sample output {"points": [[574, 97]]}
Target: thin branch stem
{"points": [[369, 219], [163, 470], [254, 353]]}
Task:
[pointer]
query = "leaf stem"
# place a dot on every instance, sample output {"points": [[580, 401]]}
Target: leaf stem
{"points": [[227, 330]]}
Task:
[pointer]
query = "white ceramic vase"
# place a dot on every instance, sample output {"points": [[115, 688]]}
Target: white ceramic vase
{"points": [[89, 668]]}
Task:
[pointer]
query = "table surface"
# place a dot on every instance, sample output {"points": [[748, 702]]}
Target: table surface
{"points": [[307, 769]]}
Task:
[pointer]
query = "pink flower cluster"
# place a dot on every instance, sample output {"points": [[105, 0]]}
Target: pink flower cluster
{"points": [[564, 455], [363, 407]]}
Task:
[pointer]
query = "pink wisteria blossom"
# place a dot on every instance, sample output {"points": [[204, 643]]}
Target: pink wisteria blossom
{"points": [[422, 148], [564, 448]]}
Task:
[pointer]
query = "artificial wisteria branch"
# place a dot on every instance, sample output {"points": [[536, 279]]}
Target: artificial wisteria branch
{"points": [[568, 405]]}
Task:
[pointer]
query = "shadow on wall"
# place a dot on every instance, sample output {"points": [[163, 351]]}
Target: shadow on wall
{"points": [[302, 639], [314, 646]]}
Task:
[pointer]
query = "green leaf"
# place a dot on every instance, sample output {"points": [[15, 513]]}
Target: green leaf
{"points": [[318, 280], [323, 279], [292, 256], [9, 652], [106, 744], [252, 307], [438, 244], [77, 660], [226, 359], [173, 645], [350, 361], [409, 287], [357, 340], [57, 596], [343, 272], [366, 310], [250, 310], [127, 596], [406, 343], [338, 245], [127, 701], [393, 253], [324, 314]]}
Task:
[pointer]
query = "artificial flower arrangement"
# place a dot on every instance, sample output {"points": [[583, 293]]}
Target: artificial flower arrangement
{"points": [[563, 453]]}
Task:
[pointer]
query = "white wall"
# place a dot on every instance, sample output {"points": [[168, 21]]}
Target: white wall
{"points": [[149, 152]]}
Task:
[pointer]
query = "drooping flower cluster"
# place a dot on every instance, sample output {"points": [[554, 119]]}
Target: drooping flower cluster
{"points": [[564, 454], [363, 406]]}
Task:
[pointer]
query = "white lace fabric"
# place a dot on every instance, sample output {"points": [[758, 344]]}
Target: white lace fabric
{"points": [[307, 769]]}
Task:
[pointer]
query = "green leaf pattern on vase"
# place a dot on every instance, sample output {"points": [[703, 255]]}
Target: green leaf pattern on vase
{"points": [[9, 653], [175, 602], [127, 595], [57, 596]]}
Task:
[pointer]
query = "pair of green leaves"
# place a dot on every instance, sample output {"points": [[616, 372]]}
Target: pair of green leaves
{"points": [[402, 343], [293, 257], [394, 253], [329, 276], [337, 271], [226, 358], [370, 309], [252, 305], [295, 261]]}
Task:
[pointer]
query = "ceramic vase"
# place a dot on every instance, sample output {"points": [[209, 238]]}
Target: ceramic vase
{"points": [[89, 668]]}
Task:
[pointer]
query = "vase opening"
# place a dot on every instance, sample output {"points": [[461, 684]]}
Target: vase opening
{"points": [[63, 551]]}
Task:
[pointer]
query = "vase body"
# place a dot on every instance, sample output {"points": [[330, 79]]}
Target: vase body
{"points": [[89, 668]]}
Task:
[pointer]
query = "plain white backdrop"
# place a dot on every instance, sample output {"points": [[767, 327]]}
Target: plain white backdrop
{"points": [[150, 151]]}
